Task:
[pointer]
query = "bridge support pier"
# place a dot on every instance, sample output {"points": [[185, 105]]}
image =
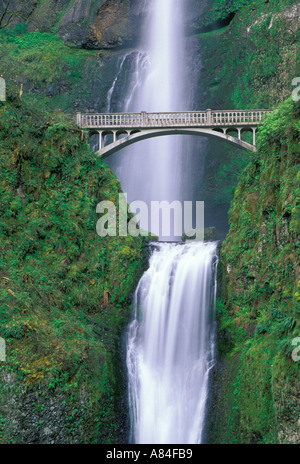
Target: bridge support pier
{"points": [[100, 140], [254, 136], [102, 135]]}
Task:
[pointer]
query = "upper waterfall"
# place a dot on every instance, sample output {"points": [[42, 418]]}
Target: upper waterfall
{"points": [[154, 79]]}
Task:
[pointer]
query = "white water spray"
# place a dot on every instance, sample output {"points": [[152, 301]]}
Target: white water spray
{"points": [[170, 347], [154, 81], [138, 61]]}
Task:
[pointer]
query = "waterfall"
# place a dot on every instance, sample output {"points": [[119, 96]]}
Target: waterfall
{"points": [[170, 346], [153, 80], [137, 63]]}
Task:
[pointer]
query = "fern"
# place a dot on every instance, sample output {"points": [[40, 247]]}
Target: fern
{"points": [[278, 314]]}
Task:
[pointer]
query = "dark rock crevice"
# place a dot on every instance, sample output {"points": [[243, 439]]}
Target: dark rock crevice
{"points": [[216, 25]]}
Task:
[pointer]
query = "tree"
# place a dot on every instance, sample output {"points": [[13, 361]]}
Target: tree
{"points": [[9, 11]]}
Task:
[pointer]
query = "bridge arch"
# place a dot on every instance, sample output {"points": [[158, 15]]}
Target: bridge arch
{"points": [[139, 135], [124, 129]]}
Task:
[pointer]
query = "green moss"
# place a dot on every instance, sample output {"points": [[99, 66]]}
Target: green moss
{"points": [[260, 310], [53, 74], [249, 64], [65, 292]]}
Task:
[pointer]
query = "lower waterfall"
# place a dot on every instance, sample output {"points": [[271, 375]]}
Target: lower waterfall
{"points": [[170, 346]]}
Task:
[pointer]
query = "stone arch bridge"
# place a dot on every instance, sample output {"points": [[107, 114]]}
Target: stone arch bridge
{"points": [[125, 129]]}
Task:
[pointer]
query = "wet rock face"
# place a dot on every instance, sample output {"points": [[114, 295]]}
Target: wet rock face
{"points": [[38, 416], [93, 24], [194, 12], [76, 22], [112, 25]]}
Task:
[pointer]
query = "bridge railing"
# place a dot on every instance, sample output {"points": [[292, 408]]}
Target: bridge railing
{"points": [[238, 117], [210, 118]]}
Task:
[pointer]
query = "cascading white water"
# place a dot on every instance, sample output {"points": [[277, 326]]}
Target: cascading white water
{"points": [[139, 62], [170, 346], [152, 170]]}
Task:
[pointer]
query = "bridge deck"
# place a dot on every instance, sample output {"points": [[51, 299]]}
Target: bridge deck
{"points": [[143, 120]]}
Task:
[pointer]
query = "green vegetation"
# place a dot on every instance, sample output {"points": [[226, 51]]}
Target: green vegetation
{"points": [[259, 315], [65, 292], [52, 73], [250, 64], [222, 9]]}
